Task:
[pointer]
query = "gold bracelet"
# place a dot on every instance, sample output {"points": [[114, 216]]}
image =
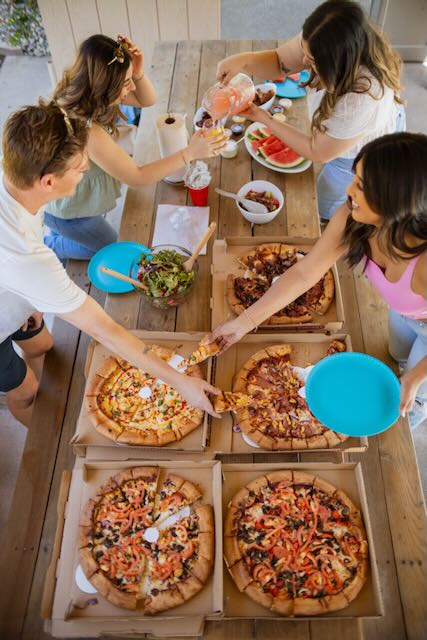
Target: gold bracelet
{"points": [[139, 77]]}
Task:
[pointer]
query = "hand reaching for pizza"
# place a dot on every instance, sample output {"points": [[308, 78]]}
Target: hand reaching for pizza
{"points": [[230, 332], [194, 391]]}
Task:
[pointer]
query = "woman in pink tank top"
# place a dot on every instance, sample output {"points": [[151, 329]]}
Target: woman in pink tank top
{"points": [[383, 227]]}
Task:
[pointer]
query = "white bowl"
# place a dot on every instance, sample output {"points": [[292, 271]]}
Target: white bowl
{"points": [[260, 186], [197, 117], [266, 86]]}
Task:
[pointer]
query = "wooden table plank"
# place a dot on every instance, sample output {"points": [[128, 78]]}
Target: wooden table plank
{"points": [[198, 305], [139, 204]]}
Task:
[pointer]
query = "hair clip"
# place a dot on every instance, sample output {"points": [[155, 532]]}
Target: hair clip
{"points": [[67, 120], [119, 52]]}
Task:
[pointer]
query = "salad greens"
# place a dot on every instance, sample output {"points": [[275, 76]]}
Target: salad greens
{"points": [[163, 273]]}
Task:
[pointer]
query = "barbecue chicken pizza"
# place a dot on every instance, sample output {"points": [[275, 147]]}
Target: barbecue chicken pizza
{"points": [[130, 406], [295, 544], [134, 553], [262, 265], [278, 417]]}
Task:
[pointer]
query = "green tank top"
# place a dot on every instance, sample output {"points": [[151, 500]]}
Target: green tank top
{"points": [[95, 194]]}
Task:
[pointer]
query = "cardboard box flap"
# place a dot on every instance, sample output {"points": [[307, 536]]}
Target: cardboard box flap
{"points": [[225, 261], [51, 574], [348, 477], [307, 349], [86, 436]]}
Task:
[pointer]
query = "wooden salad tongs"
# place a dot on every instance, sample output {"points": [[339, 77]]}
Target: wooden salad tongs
{"points": [[121, 276], [189, 264]]}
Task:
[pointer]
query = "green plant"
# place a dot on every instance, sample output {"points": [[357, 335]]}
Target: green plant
{"points": [[20, 22]]}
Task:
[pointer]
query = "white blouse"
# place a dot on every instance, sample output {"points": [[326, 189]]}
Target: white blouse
{"points": [[370, 114]]}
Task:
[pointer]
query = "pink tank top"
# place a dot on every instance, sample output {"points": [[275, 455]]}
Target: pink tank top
{"points": [[398, 295]]}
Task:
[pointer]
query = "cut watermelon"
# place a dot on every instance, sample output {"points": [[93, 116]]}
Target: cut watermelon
{"points": [[258, 134], [256, 144], [271, 149], [285, 159]]}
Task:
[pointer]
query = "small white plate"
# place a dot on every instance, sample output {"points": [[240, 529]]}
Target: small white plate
{"points": [[82, 582], [257, 125]]}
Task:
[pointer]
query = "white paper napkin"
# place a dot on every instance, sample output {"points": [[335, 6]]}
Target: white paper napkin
{"points": [[182, 226]]}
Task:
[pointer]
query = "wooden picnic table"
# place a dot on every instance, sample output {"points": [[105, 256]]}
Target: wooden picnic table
{"points": [[182, 72]]}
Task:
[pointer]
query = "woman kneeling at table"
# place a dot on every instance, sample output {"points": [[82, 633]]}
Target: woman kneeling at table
{"points": [[383, 226], [105, 74], [352, 91]]}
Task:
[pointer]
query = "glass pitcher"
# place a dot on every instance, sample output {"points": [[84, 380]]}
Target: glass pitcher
{"points": [[228, 100]]}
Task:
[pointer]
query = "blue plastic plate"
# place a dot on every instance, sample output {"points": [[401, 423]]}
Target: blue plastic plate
{"points": [[354, 394], [290, 88], [117, 256]]}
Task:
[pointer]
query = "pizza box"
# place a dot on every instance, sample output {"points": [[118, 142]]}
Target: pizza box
{"points": [[225, 260], [225, 436], [347, 477], [70, 612], [86, 436]]}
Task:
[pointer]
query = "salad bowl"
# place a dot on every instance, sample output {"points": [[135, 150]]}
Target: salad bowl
{"points": [[167, 283]]}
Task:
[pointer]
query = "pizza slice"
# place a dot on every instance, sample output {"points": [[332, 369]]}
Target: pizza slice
{"points": [[139, 486], [336, 346], [231, 401], [174, 494], [203, 351]]}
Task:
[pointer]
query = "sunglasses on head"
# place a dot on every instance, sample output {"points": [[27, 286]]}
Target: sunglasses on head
{"points": [[119, 52]]}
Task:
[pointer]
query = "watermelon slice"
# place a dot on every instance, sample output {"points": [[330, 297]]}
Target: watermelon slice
{"points": [[285, 159], [256, 144], [272, 147], [258, 134]]}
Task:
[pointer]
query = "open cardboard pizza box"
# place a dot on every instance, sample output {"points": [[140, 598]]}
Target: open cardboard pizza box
{"points": [[225, 260], [86, 436], [348, 477], [63, 598], [307, 349]]}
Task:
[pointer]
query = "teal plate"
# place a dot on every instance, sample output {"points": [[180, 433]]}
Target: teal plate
{"points": [[353, 394], [119, 257], [290, 88]]}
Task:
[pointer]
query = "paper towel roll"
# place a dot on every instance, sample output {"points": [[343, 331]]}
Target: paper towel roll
{"points": [[172, 135]]}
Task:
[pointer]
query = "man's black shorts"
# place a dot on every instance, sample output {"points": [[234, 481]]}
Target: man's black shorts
{"points": [[13, 368]]}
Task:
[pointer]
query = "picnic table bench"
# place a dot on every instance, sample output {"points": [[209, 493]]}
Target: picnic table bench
{"points": [[182, 72]]}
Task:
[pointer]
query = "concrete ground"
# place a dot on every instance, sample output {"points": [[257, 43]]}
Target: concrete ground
{"points": [[24, 79]]}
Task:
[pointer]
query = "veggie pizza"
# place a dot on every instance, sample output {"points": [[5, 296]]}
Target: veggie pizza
{"points": [[262, 266], [139, 548], [295, 544], [278, 417], [130, 406]]}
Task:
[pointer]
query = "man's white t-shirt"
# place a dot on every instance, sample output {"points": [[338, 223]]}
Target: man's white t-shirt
{"points": [[31, 276], [355, 114]]}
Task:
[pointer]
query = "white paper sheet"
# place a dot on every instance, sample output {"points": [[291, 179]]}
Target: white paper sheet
{"points": [[182, 226]]}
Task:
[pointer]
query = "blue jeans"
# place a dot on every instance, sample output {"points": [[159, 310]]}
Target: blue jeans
{"points": [[78, 238], [336, 175], [408, 345]]}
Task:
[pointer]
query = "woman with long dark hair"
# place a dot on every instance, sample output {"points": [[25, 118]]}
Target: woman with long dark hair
{"points": [[383, 226], [107, 73], [353, 91]]}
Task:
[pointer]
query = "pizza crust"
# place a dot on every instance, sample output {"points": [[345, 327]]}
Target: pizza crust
{"points": [[189, 587], [325, 300], [163, 600], [111, 593], [240, 575]]}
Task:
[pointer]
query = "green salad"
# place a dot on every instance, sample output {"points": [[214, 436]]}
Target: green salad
{"points": [[163, 273]]}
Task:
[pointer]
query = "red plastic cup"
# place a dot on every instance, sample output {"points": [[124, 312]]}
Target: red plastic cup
{"points": [[199, 197]]}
